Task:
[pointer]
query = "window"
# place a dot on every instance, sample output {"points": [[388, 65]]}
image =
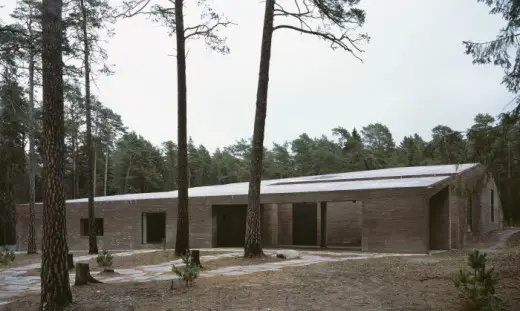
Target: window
{"points": [[469, 215], [84, 228], [492, 205]]}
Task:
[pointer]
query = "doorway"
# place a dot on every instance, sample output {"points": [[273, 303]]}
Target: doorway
{"points": [[153, 227], [440, 220], [231, 224], [305, 224]]}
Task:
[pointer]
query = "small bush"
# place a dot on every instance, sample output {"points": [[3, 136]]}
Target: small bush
{"points": [[104, 259], [477, 284], [189, 272], [6, 256]]}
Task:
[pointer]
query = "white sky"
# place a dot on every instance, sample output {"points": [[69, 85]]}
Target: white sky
{"points": [[414, 76]]}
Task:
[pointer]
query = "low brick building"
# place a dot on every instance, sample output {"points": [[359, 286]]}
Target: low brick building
{"points": [[409, 209]]}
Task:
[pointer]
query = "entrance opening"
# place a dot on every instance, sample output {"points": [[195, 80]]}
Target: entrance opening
{"points": [[305, 224], [440, 220], [153, 227], [231, 224]]}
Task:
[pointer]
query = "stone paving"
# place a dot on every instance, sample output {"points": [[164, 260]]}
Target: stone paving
{"points": [[13, 283]]}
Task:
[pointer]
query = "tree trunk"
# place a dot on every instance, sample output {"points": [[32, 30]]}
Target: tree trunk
{"points": [[195, 256], [183, 231], [70, 261], [127, 174], [74, 167], [31, 239], [92, 239], [253, 238], [105, 183], [83, 276], [55, 287]]}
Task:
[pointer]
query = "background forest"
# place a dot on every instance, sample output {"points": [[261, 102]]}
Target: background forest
{"points": [[128, 163]]}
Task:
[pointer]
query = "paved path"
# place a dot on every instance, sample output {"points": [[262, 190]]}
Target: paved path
{"points": [[13, 283]]}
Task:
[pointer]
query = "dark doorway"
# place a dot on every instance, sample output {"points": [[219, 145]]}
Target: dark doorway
{"points": [[305, 223], [231, 224], [440, 220], [154, 227]]}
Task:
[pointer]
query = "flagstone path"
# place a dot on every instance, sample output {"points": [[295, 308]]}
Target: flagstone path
{"points": [[13, 283]]}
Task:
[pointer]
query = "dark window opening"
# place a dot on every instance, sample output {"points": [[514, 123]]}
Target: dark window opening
{"points": [[492, 205], [153, 227], [84, 227]]}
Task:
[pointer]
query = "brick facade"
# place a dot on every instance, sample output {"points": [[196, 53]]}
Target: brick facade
{"points": [[411, 220]]}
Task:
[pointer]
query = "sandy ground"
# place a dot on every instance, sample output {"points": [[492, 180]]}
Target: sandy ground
{"points": [[391, 283]]}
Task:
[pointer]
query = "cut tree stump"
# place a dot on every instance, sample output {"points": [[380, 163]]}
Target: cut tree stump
{"points": [[70, 261], [83, 276], [195, 256]]}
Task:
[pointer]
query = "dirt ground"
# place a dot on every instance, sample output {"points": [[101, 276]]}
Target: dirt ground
{"points": [[236, 261], [392, 283], [132, 261], [24, 259]]}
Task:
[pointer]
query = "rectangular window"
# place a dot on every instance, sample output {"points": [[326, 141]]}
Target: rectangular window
{"points": [[84, 228], [492, 205]]}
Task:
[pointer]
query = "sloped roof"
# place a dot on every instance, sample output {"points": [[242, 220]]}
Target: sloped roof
{"points": [[399, 177]]}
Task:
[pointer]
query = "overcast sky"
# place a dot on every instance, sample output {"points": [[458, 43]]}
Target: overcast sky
{"points": [[414, 75]]}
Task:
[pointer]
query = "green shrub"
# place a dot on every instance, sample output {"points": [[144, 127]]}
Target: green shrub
{"points": [[477, 284], [6, 256], [189, 272], [104, 259]]}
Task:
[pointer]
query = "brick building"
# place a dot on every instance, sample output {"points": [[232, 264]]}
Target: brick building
{"points": [[409, 209]]}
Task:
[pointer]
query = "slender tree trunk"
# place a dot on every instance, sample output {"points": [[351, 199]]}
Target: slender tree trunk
{"points": [[253, 238], [509, 207], [106, 174], [31, 240], [125, 188], [183, 230], [55, 286], [74, 167], [92, 239], [94, 171]]}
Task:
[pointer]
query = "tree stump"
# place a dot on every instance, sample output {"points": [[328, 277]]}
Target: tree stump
{"points": [[70, 261], [83, 276], [195, 256]]}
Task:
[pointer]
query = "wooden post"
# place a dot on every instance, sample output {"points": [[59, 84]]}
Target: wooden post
{"points": [[70, 261], [195, 256], [83, 276], [323, 227]]}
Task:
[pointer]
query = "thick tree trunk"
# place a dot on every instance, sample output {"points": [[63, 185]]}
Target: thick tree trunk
{"points": [[31, 239], [55, 287], [183, 231], [70, 261], [92, 239], [253, 238], [83, 276]]}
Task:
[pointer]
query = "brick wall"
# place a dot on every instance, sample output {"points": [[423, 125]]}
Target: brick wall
{"points": [[344, 223], [396, 224], [284, 224], [122, 223], [486, 222]]}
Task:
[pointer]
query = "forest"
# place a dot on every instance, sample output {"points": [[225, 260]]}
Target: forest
{"points": [[128, 163]]}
